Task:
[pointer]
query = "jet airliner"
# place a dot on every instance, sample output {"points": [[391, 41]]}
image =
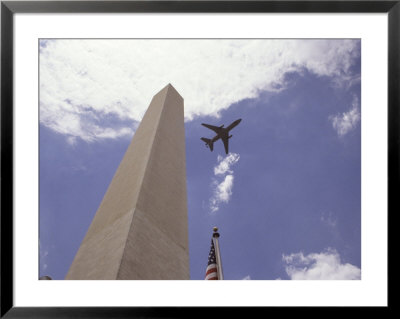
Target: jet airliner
{"points": [[222, 133]]}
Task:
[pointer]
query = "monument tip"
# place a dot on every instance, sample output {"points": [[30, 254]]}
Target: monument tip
{"points": [[170, 86]]}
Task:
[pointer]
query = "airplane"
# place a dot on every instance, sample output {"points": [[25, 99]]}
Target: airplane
{"points": [[222, 133]]}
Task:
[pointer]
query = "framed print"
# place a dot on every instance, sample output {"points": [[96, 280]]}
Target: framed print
{"points": [[149, 145]]}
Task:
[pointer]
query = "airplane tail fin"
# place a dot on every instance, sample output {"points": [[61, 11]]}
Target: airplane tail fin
{"points": [[208, 142]]}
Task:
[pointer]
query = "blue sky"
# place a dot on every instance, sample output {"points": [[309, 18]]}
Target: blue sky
{"points": [[287, 199]]}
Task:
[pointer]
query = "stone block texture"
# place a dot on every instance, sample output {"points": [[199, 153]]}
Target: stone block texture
{"points": [[140, 230]]}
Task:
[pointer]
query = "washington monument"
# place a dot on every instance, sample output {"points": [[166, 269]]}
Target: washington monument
{"points": [[140, 230]]}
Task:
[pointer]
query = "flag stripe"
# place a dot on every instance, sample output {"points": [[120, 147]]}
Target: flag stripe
{"points": [[211, 270], [212, 276]]}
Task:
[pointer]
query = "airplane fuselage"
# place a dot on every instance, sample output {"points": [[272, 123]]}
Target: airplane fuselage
{"points": [[224, 132], [221, 133]]}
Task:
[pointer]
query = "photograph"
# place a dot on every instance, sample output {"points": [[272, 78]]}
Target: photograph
{"points": [[149, 147], [200, 159]]}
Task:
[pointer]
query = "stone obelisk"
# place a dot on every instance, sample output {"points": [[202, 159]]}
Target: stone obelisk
{"points": [[140, 230]]}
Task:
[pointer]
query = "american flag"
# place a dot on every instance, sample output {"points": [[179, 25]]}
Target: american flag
{"points": [[211, 271]]}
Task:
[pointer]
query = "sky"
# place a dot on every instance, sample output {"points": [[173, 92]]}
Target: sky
{"points": [[286, 199]]}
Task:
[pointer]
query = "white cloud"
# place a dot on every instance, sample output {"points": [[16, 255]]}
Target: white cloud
{"points": [[225, 164], [323, 266], [247, 278], [84, 82], [329, 219], [345, 122], [71, 140], [222, 189], [222, 193], [43, 256]]}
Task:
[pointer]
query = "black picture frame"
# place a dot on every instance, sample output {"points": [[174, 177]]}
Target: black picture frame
{"points": [[9, 8]]}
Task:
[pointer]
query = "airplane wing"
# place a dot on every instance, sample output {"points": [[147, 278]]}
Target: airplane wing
{"points": [[208, 143], [216, 129], [226, 144]]}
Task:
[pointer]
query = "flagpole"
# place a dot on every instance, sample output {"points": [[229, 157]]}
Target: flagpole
{"points": [[217, 253]]}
